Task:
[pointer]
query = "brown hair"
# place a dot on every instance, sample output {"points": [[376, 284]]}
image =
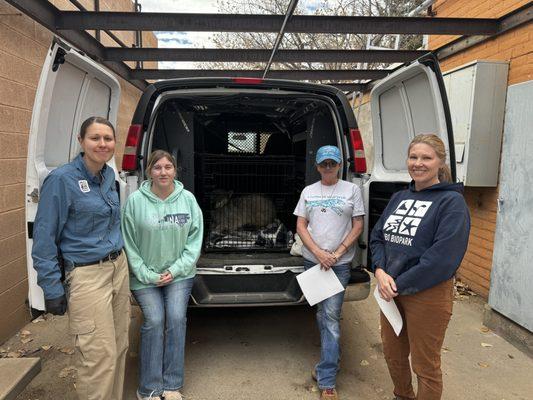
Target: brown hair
{"points": [[95, 120], [436, 144], [156, 156]]}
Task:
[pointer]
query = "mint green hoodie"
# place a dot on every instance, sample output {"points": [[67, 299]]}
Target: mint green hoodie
{"points": [[161, 235]]}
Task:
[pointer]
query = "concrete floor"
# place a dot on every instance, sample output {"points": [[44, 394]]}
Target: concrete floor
{"points": [[268, 353]]}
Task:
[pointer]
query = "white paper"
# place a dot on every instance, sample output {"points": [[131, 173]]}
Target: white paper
{"points": [[318, 284], [390, 310]]}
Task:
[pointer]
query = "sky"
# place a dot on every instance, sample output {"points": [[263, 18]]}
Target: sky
{"points": [[181, 39], [192, 39]]}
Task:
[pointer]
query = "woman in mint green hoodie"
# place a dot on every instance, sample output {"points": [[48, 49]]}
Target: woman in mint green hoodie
{"points": [[162, 227]]}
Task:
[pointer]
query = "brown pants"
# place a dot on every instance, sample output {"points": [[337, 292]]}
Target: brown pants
{"points": [[99, 317], [426, 315]]}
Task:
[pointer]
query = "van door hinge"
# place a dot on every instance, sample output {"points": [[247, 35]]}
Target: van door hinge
{"points": [[34, 195], [59, 59]]}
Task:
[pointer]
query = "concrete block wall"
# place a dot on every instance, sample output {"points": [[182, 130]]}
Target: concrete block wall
{"points": [[23, 46], [515, 46]]}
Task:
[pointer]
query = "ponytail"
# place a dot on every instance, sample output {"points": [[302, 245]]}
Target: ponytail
{"points": [[445, 175]]}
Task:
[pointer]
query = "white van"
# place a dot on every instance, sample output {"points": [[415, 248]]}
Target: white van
{"points": [[246, 148]]}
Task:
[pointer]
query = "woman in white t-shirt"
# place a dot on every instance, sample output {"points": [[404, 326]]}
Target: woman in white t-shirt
{"points": [[330, 219]]}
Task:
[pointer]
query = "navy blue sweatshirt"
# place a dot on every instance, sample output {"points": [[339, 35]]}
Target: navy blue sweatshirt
{"points": [[421, 236]]}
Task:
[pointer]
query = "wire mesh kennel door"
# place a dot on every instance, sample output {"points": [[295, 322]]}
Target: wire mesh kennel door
{"points": [[247, 201]]}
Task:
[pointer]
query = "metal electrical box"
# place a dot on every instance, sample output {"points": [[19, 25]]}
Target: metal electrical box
{"points": [[511, 275], [476, 93]]}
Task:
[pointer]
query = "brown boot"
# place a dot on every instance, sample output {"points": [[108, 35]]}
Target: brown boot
{"points": [[329, 394]]}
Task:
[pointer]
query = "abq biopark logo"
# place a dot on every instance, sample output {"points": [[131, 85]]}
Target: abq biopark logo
{"points": [[405, 221]]}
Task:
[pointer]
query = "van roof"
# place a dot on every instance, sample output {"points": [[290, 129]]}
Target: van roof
{"points": [[245, 83], [142, 115]]}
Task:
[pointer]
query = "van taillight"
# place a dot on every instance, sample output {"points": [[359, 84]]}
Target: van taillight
{"points": [[129, 160], [251, 81], [359, 164]]}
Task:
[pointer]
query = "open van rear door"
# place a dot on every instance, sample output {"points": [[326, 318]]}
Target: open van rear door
{"points": [[410, 101], [71, 88]]}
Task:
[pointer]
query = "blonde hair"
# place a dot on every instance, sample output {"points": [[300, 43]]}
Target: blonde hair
{"points": [[436, 143], [155, 157]]}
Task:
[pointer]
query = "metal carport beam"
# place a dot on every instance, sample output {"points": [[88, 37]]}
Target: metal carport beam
{"points": [[333, 75], [350, 87], [46, 14], [279, 38], [129, 21], [256, 55]]}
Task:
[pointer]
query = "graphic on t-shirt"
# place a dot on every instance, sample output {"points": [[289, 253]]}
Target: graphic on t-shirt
{"points": [[405, 221], [336, 204]]}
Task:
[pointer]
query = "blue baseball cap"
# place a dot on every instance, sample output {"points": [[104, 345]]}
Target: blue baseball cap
{"points": [[328, 153]]}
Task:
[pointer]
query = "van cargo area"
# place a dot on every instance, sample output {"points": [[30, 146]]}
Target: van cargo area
{"points": [[244, 156]]}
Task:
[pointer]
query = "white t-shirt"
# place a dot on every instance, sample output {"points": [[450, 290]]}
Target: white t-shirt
{"points": [[329, 211]]}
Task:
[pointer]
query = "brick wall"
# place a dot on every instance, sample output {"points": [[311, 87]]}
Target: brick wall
{"points": [[516, 47], [23, 46]]}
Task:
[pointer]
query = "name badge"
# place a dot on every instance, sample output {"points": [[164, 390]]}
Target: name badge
{"points": [[84, 186]]}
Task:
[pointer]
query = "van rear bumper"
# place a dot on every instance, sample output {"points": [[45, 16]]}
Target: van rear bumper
{"points": [[244, 285], [260, 285]]}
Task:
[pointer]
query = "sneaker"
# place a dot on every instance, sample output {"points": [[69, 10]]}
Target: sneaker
{"points": [[329, 394], [151, 397], [172, 395]]}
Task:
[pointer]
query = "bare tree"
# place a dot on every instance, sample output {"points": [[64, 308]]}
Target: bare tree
{"points": [[308, 41]]}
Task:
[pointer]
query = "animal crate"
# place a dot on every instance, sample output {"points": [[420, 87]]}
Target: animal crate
{"points": [[247, 201]]}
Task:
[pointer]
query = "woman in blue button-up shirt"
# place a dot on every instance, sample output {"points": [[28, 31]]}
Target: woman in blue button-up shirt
{"points": [[77, 232]]}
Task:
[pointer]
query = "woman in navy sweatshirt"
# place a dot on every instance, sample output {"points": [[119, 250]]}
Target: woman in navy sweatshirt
{"points": [[417, 245]]}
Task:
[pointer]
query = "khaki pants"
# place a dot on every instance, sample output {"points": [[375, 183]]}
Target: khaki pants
{"points": [[99, 317], [426, 315]]}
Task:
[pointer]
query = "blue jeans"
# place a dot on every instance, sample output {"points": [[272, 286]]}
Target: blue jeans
{"points": [[162, 351], [328, 314]]}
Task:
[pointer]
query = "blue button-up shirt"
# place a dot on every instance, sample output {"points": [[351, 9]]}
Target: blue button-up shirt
{"points": [[78, 216]]}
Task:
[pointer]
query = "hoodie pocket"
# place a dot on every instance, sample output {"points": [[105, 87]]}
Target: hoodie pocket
{"points": [[395, 262]]}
